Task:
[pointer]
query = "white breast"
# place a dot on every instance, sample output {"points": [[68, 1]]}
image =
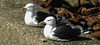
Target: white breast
{"points": [[30, 19], [47, 31]]}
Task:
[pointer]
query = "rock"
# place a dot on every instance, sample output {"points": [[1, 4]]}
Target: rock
{"points": [[73, 3]]}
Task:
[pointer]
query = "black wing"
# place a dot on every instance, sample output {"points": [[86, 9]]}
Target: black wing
{"points": [[42, 15], [66, 32]]}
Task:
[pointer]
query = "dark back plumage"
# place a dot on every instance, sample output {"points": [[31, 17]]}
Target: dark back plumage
{"points": [[66, 32], [42, 15]]}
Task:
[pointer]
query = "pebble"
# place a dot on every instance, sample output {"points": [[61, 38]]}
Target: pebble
{"points": [[43, 40], [23, 28]]}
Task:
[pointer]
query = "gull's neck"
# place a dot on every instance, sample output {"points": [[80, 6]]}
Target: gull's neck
{"points": [[30, 18], [48, 30], [50, 26], [30, 14]]}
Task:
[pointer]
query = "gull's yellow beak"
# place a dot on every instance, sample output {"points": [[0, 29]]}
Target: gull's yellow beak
{"points": [[23, 8], [42, 22]]}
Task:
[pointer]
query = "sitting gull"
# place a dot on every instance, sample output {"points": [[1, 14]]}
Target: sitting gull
{"points": [[32, 17], [60, 31]]}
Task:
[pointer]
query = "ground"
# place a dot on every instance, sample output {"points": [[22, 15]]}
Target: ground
{"points": [[13, 30]]}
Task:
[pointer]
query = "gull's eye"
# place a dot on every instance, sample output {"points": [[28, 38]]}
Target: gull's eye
{"points": [[49, 20], [30, 6]]}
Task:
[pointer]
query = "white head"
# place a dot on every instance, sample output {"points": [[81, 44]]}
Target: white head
{"points": [[49, 20], [29, 7]]}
